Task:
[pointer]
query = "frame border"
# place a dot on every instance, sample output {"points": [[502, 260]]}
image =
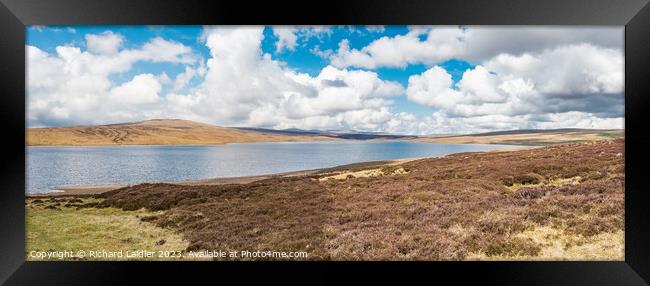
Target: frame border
{"points": [[634, 14]]}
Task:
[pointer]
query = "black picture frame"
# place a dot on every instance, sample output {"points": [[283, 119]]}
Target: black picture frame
{"points": [[633, 14]]}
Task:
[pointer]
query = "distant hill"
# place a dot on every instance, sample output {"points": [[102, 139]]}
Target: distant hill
{"points": [[156, 132], [185, 132], [353, 135], [292, 131], [531, 137]]}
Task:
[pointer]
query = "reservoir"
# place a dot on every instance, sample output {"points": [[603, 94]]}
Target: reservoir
{"points": [[51, 167]]}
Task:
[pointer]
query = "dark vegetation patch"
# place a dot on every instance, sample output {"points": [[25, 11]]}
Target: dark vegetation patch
{"points": [[528, 179], [275, 214], [442, 209]]}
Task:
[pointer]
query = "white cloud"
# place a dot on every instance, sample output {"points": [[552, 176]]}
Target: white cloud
{"points": [[572, 70], [433, 88], [539, 70], [345, 57], [163, 79], [480, 85], [161, 50], [578, 119], [289, 36], [242, 86], [286, 38], [319, 32], [320, 53], [74, 87], [401, 50], [440, 123], [143, 88], [432, 45], [184, 78], [576, 85], [376, 29], [107, 43]]}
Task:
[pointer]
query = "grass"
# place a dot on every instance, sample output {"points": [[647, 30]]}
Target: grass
{"points": [[555, 244], [386, 171], [538, 181], [53, 226]]}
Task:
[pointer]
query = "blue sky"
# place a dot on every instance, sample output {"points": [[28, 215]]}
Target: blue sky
{"points": [[397, 79]]}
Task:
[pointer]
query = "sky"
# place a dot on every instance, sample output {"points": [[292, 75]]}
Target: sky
{"points": [[419, 80]]}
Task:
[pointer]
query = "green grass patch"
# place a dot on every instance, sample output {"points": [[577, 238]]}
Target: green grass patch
{"points": [[51, 226]]}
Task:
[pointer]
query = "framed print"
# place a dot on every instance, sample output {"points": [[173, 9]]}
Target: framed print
{"points": [[503, 140]]}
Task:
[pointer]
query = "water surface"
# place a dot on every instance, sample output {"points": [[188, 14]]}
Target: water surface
{"points": [[51, 167]]}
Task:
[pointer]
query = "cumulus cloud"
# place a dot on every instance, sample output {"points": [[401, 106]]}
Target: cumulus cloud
{"points": [[161, 50], [73, 86], [143, 88], [243, 86], [576, 85], [286, 38], [401, 50], [106, 43], [184, 78], [431, 45], [573, 70]]}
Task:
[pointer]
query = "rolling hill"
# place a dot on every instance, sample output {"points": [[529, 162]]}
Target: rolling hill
{"points": [[530, 137], [156, 132]]}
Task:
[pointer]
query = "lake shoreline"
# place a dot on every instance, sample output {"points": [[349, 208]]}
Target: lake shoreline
{"points": [[208, 144], [86, 190], [214, 171], [98, 189]]}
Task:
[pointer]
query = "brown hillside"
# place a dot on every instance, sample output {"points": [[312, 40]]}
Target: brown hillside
{"points": [[154, 132]]}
